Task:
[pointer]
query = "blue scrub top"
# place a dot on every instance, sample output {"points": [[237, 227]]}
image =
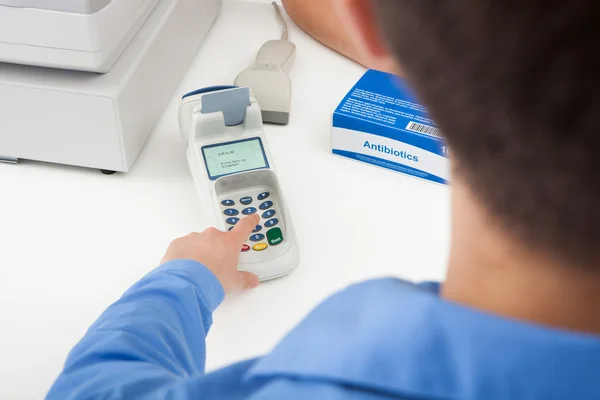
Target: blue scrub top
{"points": [[383, 339]]}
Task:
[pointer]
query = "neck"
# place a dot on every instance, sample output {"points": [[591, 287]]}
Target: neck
{"points": [[490, 271]]}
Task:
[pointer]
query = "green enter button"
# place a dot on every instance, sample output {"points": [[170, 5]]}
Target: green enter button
{"points": [[274, 236]]}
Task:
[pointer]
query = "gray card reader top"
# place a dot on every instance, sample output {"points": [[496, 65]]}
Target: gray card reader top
{"points": [[232, 103]]}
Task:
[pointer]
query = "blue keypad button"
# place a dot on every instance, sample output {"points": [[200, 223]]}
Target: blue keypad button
{"points": [[249, 211], [263, 196], [266, 205], [246, 200], [257, 229], [271, 223], [232, 220], [269, 214], [231, 212], [257, 237], [228, 203]]}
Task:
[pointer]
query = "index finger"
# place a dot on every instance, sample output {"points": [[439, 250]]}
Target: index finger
{"points": [[244, 228]]}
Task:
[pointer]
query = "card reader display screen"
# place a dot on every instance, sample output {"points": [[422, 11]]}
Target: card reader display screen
{"points": [[234, 157]]}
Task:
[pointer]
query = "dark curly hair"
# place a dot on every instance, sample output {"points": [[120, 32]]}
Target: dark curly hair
{"points": [[515, 87]]}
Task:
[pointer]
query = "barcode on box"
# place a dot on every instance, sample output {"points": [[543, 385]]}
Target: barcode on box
{"points": [[424, 129]]}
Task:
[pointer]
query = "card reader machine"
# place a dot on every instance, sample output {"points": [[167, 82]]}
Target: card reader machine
{"points": [[235, 176]]}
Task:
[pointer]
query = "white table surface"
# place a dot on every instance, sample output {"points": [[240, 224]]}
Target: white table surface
{"points": [[73, 240]]}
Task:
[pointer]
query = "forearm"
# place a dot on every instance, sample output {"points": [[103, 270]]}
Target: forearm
{"points": [[150, 339], [319, 19]]}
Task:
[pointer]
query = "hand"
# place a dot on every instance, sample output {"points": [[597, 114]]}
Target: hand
{"points": [[219, 252]]}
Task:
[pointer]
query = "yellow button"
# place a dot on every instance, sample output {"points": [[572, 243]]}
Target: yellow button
{"points": [[260, 247]]}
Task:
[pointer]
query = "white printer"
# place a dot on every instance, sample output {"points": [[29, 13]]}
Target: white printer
{"points": [[83, 82]]}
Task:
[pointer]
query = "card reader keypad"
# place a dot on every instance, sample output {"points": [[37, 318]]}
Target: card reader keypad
{"points": [[259, 240]]}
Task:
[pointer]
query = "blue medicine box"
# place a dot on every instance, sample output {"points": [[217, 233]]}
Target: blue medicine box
{"points": [[380, 122]]}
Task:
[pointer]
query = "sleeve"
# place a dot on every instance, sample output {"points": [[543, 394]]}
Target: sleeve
{"points": [[148, 341]]}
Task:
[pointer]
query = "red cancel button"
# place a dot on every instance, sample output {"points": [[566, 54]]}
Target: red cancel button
{"points": [[245, 248]]}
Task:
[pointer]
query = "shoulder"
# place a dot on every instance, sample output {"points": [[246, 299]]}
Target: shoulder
{"points": [[384, 288]]}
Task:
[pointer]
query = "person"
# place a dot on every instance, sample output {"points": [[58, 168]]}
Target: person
{"points": [[514, 87]]}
